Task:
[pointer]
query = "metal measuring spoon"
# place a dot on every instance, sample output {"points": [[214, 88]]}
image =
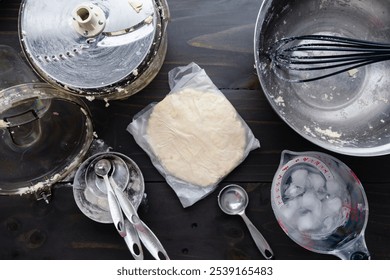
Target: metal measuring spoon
{"points": [[146, 235], [132, 241], [120, 172], [102, 169], [233, 200]]}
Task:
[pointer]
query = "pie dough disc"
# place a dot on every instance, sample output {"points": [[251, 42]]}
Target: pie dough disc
{"points": [[197, 136]]}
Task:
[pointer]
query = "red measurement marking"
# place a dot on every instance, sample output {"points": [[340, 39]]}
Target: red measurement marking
{"points": [[285, 168]]}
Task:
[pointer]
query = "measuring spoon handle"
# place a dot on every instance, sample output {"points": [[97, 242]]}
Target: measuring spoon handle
{"points": [[115, 209], [132, 241], [259, 239], [147, 237]]}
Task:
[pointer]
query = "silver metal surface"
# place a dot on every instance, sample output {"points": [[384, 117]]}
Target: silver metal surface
{"points": [[102, 168], [121, 59], [91, 198], [145, 234], [233, 200], [348, 113], [132, 241], [120, 173]]}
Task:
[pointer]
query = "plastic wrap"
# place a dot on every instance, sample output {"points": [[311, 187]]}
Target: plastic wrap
{"points": [[194, 137]]}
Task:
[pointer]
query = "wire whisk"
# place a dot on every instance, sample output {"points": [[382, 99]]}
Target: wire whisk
{"points": [[312, 57]]}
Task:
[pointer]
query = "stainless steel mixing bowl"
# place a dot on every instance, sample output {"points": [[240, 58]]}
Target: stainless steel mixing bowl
{"points": [[348, 113]]}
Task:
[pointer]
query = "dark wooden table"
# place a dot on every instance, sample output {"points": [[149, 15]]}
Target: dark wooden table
{"points": [[217, 35]]}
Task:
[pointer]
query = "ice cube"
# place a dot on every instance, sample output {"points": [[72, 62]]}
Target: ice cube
{"points": [[333, 188], [293, 191], [316, 181], [328, 224], [332, 206], [289, 211], [321, 195], [312, 203], [307, 222], [299, 177]]}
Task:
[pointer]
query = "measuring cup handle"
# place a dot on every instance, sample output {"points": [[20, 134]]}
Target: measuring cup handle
{"points": [[356, 249], [259, 239]]}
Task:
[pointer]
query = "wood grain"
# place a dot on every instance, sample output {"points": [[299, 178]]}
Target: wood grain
{"points": [[217, 35]]}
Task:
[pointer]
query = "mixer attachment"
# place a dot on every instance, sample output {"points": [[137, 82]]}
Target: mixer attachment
{"points": [[312, 57]]}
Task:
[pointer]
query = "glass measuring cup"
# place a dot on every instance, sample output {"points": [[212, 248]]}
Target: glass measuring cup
{"points": [[343, 236]]}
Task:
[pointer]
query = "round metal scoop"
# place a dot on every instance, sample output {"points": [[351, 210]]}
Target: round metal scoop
{"points": [[102, 169], [233, 200], [118, 169]]}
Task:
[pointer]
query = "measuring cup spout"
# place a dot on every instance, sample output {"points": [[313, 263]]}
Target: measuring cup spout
{"points": [[356, 249], [286, 156]]}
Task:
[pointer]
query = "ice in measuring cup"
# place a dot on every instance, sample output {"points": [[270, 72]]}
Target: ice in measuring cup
{"points": [[313, 205], [320, 204]]}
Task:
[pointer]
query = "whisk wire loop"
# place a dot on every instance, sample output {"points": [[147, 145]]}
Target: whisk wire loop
{"points": [[322, 52]]}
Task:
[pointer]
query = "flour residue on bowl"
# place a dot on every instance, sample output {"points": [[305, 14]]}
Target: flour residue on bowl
{"points": [[332, 137], [328, 132], [280, 101], [3, 124], [353, 72]]}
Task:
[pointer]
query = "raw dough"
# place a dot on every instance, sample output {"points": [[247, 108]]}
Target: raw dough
{"points": [[197, 136]]}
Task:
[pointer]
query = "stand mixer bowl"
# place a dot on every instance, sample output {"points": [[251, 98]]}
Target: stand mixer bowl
{"points": [[347, 113]]}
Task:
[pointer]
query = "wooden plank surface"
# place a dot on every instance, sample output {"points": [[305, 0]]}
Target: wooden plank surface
{"points": [[217, 35]]}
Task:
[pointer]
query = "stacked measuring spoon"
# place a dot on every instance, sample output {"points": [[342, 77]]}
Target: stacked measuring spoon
{"points": [[108, 188]]}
